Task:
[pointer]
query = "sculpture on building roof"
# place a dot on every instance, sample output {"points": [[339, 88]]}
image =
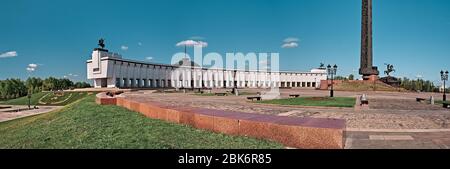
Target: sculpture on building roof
{"points": [[101, 43]]}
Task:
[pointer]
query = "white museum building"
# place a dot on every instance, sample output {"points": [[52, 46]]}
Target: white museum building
{"points": [[110, 70]]}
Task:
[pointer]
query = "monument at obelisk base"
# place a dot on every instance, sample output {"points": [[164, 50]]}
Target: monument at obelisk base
{"points": [[367, 70]]}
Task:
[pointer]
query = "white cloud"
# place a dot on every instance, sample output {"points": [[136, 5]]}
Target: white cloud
{"points": [[149, 58], [187, 43], [8, 54], [30, 69], [32, 65], [124, 47], [419, 76], [191, 43], [291, 39], [290, 42], [290, 45], [71, 75]]}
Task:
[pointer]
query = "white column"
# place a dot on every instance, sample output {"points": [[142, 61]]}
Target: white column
{"points": [[216, 79], [166, 77], [242, 79], [230, 78], [238, 79], [189, 77], [226, 78], [253, 79], [204, 78], [211, 79], [194, 78], [121, 76], [221, 78], [185, 78], [200, 84], [179, 78], [172, 79]]}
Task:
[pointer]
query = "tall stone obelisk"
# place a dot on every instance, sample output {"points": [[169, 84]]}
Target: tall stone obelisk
{"points": [[367, 70]]}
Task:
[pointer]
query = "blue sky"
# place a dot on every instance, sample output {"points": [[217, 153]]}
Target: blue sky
{"points": [[59, 35]]}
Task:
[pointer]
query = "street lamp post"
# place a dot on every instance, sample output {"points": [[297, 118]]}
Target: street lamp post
{"points": [[331, 72], [444, 77], [29, 92], [235, 82], [29, 100]]}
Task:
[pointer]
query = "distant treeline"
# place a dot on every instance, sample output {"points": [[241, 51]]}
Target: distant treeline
{"points": [[418, 85], [14, 88]]}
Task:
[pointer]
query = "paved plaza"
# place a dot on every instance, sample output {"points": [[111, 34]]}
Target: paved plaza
{"points": [[387, 110], [393, 120]]}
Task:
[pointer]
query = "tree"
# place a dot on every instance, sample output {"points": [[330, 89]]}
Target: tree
{"points": [[12, 88], [340, 78], [418, 85], [34, 85], [351, 77], [50, 84], [82, 85], [65, 84]]}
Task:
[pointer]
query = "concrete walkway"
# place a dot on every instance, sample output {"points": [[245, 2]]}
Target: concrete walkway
{"points": [[398, 140], [11, 113]]}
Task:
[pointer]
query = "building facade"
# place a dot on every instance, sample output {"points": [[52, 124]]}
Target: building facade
{"points": [[110, 70]]}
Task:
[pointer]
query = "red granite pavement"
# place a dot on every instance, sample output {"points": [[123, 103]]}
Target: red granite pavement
{"points": [[295, 132]]}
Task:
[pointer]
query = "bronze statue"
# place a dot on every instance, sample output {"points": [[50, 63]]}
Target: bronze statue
{"points": [[101, 43], [389, 69]]}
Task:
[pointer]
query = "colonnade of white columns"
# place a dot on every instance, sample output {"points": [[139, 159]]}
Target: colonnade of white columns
{"points": [[124, 74]]}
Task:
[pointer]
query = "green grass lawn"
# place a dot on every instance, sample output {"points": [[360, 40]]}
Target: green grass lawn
{"points": [[247, 93], [67, 98], [229, 94], [48, 98], [315, 101], [204, 94], [442, 102], [24, 100], [85, 124]]}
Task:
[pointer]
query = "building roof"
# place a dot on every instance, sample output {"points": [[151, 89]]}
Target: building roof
{"points": [[186, 63]]}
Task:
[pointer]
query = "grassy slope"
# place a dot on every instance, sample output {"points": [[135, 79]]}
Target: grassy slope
{"points": [[47, 99], [306, 101], [364, 86], [75, 96], [24, 100], [87, 125]]}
